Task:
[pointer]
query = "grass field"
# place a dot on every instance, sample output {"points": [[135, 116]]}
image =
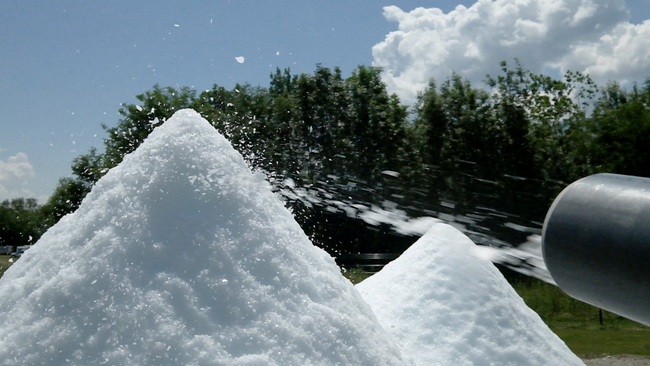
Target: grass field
{"points": [[4, 263], [598, 342], [579, 324]]}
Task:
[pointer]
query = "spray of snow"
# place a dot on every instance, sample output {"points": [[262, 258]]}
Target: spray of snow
{"points": [[525, 258]]}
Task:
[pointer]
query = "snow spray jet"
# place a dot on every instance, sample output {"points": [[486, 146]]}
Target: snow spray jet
{"points": [[594, 245], [525, 257]]}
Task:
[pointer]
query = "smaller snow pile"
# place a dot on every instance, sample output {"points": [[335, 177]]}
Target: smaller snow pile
{"points": [[444, 306], [181, 256]]}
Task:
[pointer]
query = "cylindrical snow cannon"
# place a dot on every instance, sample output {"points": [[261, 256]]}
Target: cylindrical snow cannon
{"points": [[596, 243]]}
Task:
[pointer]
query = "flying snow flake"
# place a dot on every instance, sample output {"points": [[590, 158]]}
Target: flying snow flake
{"points": [[240, 59], [176, 25]]}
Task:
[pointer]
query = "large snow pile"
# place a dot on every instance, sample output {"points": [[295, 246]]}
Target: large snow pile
{"points": [[445, 306], [182, 256]]}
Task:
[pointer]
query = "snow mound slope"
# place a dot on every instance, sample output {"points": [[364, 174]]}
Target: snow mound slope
{"points": [[181, 256], [444, 306]]}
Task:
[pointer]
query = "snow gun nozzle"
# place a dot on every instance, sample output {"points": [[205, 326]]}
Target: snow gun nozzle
{"points": [[596, 243]]}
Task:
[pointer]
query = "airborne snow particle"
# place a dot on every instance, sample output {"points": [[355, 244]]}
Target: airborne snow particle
{"points": [[391, 173], [240, 59]]}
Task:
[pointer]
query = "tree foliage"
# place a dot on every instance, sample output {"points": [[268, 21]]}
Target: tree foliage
{"points": [[617, 136], [510, 144], [20, 222], [157, 105], [66, 199]]}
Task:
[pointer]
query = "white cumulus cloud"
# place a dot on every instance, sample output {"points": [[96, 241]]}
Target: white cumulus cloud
{"points": [[593, 36], [14, 174]]}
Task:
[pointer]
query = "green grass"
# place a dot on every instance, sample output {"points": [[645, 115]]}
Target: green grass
{"points": [[355, 275], [596, 342], [578, 324], [4, 263]]}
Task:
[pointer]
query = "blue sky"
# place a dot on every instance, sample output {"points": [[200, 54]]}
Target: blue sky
{"points": [[66, 66]]}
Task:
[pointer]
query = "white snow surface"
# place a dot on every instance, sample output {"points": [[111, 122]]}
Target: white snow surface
{"points": [[445, 306], [181, 256]]}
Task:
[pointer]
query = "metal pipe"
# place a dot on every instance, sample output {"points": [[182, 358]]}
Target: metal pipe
{"points": [[596, 243]]}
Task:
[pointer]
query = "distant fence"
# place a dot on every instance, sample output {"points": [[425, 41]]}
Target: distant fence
{"points": [[369, 262]]}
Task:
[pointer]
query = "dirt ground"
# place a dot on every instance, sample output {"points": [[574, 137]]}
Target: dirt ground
{"points": [[619, 360]]}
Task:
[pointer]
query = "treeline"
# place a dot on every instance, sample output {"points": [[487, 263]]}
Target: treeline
{"points": [[507, 149]]}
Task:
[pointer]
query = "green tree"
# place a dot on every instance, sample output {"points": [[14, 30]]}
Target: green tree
{"points": [[21, 222], [552, 109], [284, 119], [321, 116], [431, 124], [66, 199], [241, 115], [377, 124], [618, 133], [459, 136], [138, 121], [89, 168]]}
